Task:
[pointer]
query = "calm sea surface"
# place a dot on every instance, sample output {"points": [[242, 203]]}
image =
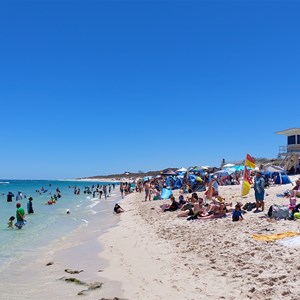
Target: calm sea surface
{"points": [[49, 222]]}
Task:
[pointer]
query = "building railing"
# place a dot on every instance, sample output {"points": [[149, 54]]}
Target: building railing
{"points": [[284, 150]]}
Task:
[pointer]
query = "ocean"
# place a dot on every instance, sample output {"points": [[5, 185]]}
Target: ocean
{"points": [[49, 222]]}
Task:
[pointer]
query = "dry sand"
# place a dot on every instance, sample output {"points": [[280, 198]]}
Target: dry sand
{"points": [[159, 256]]}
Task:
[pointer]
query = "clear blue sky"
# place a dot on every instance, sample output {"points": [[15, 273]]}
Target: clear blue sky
{"points": [[100, 87]]}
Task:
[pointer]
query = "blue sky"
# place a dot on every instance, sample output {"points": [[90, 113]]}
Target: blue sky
{"points": [[101, 87]]}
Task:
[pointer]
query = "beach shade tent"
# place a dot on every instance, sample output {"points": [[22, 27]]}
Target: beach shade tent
{"points": [[166, 193], [178, 183], [199, 169], [224, 173], [181, 170], [278, 173], [282, 178], [192, 179], [146, 178], [240, 168], [168, 172], [273, 169], [196, 182], [199, 185], [228, 166]]}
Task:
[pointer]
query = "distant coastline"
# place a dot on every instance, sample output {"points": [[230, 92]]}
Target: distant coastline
{"points": [[132, 176]]}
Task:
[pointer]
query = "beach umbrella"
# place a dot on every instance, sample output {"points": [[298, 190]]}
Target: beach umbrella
{"points": [[200, 168], [273, 169], [228, 166], [224, 173], [169, 172]]}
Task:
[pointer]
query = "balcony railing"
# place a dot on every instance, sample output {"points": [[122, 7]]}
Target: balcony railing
{"points": [[284, 150]]}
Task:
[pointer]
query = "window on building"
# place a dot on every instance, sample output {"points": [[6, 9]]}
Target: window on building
{"points": [[291, 140], [298, 139]]}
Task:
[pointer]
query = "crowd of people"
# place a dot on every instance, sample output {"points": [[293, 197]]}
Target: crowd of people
{"points": [[20, 216], [211, 204]]}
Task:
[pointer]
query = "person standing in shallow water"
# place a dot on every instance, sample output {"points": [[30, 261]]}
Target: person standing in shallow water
{"points": [[29, 206], [20, 216], [10, 195], [259, 189]]}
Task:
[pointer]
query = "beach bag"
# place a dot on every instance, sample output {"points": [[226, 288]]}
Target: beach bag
{"points": [[278, 212]]}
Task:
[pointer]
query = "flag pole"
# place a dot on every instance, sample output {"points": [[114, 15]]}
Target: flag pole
{"points": [[244, 173]]}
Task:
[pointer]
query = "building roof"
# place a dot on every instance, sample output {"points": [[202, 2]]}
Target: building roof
{"points": [[291, 131]]}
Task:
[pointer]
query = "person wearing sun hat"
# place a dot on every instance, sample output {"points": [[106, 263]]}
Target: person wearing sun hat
{"points": [[259, 189]]}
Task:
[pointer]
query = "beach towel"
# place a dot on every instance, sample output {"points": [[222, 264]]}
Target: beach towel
{"points": [[274, 237], [293, 242]]}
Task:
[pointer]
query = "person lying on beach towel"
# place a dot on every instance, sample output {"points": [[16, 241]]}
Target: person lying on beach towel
{"points": [[199, 216]]}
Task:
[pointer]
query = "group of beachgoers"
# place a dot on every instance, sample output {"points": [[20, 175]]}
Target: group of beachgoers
{"points": [[20, 212], [212, 205], [96, 190], [125, 188]]}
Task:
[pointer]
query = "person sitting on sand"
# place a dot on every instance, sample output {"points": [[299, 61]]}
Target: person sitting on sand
{"points": [[173, 206], [193, 207], [237, 213], [296, 189], [181, 198], [118, 209]]}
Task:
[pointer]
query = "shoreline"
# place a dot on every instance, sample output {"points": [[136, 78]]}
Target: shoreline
{"points": [[41, 274]]}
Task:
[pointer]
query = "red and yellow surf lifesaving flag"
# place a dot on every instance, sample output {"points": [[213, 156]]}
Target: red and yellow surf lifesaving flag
{"points": [[249, 162]]}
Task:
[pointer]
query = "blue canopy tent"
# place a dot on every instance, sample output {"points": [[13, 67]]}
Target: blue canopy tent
{"points": [[280, 176], [178, 183]]}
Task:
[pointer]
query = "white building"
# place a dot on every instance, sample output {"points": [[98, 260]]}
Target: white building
{"points": [[291, 152]]}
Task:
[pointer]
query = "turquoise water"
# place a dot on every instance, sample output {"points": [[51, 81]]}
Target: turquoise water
{"points": [[49, 222]]}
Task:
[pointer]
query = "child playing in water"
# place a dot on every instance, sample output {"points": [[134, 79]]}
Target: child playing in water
{"points": [[10, 222]]}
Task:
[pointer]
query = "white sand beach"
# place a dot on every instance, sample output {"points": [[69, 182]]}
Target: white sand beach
{"points": [[155, 255], [159, 256]]}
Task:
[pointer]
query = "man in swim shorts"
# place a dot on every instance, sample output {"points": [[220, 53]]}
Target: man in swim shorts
{"points": [[20, 215]]}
